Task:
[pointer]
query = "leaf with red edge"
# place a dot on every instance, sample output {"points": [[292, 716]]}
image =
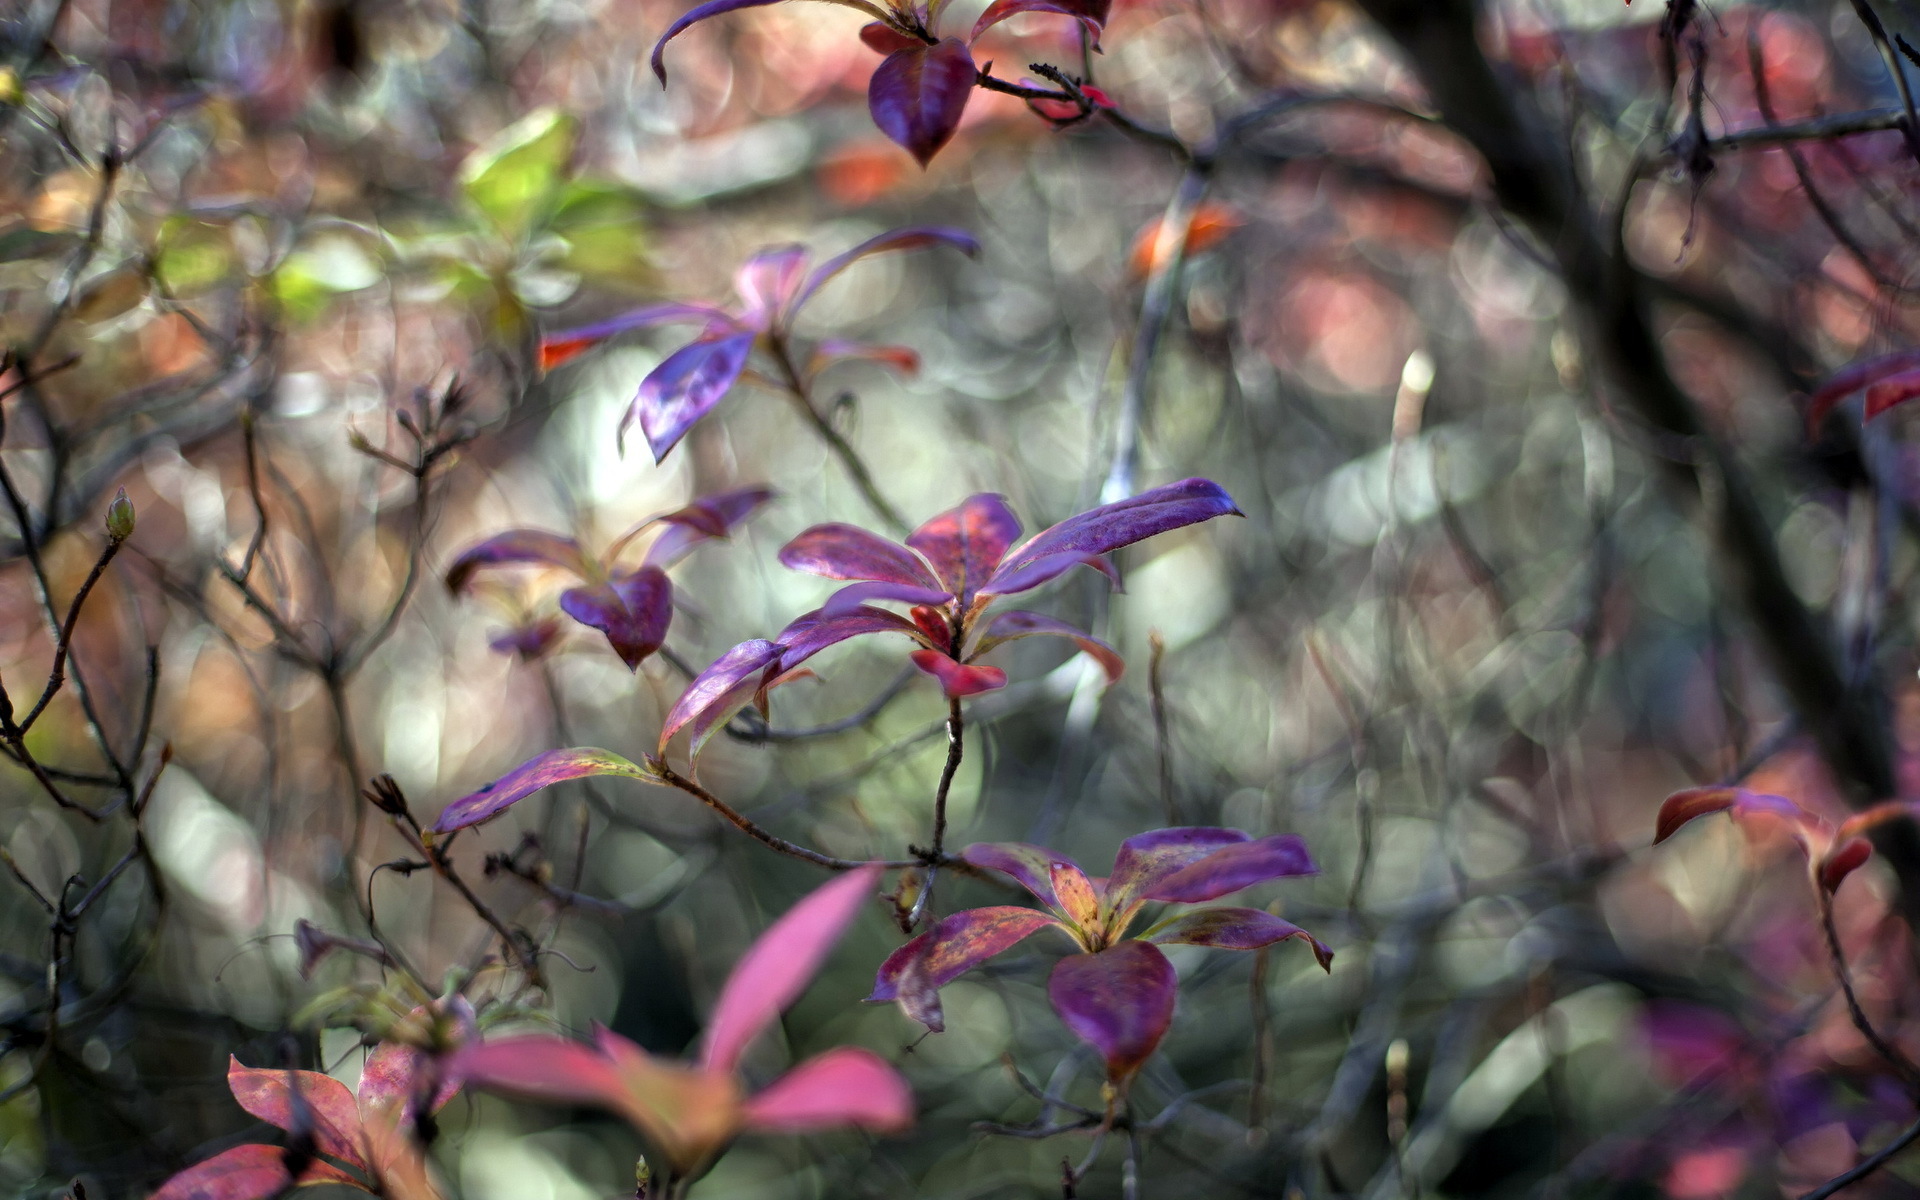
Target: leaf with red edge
{"points": [[884, 39], [1850, 849], [1842, 861], [1845, 383], [810, 633], [1120, 1001], [633, 610], [1111, 526], [838, 551], [301, 1102], [912, 237], [914, 974], [708, 517], [1234, 867], [767, 283], [1031, 866], [958, 679], [843, 1086], [248, 1173], [1743, 805], [540, 771], [918, 95], [517, 547], [1209, 225], [565, 344], [967, 542], [1234, 929], [1091, 13], [903, 359], [1015, 624], [1891, 391], [685, 387], [724, 688], [781, 962]]}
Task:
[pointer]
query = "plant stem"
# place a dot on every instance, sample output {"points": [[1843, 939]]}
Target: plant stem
{"points": [[674, 779], [856, 468], [936, 853]]}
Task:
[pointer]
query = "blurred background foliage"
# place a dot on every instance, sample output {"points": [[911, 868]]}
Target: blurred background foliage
{"points": [[258, 257]]}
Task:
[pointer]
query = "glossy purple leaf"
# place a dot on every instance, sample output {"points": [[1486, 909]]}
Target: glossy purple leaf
{"points": [[1233, 868], [914, 237], [248, 1173], [958, 679], [301, 1102], [1091, 13], [966, 543], [1011, 626], [810, 633], [1046, 569], [837, 551], [1234, 929], [529, 641], [781, 962], [884, 39], [1120, 1001], [1147, 858], [1111, 526], [685, 387], [918, 95], [693, 16], [724, 688], [767, 283], [914, 974], [517, 547], [633, 610], [540, 771], [558, 347], [721, 512], [1031, 866], [843, 1086], [856, 594]]}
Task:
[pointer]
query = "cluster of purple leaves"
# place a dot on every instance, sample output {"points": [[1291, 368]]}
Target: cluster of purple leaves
{"points": [[919, 92]]}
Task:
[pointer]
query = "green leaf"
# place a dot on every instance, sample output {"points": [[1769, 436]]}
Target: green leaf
{"points": [[512, 177], [326, 267], [22, 242]]}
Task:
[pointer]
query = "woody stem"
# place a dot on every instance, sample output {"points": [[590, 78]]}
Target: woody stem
{"points": [[801, 394]]}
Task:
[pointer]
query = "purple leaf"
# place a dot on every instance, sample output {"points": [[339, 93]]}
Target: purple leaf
{"points": [[1123, 523], [685, 387], [1011, 626], [843, 1086], [724, 688], [1031, 866], [884, 39], [1234, 929], [556, 348], [540, 771], [780, 964], [918, 95], [514, 547], [911, 238], [1147, 858], [708, 517], [712, 8], [1120, 1001], [1045, 569], [1235, 867], [958, 679], [914, 974], [837, 551], [810, 633], [1845, 383], [300, 1102], [633, 611], [766, 283], [856, 594], [529, 641], [965, 544], [247, 1173], [1091, 13]]}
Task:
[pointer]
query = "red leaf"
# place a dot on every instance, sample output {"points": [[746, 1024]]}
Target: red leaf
{"points": [[1845, 383], [1208, 227], [843, 1086], [1016, 624], [559, 347], [247, 1173], [1120, 1001], [918, 95], [958, 679], [885, 39], [301, 1102], [1890, 391], [1684, 806], [1091, 13], [967, 542], [541, 771]]}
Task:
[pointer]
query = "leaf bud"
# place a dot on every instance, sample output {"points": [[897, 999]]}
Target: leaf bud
{"points": [[120, 517]]}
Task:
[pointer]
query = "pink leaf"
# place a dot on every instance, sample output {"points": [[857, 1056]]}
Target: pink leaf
{"points": [[1111, 526], [966, 543], [767, 283], [247, 1173], [844, 1086], [837, 551], [1120, 1001], [1091, 13], [724, 688], [810, 633], [540, 771], [780, 964], [517, 547], [633, 610], [958, 679], [708, 517], [301, 1102], [915, 973], [1011, 626], [918, 95], [1234, 929], [913, 237], [1234, 867], [685, 387], [712, 8]]}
